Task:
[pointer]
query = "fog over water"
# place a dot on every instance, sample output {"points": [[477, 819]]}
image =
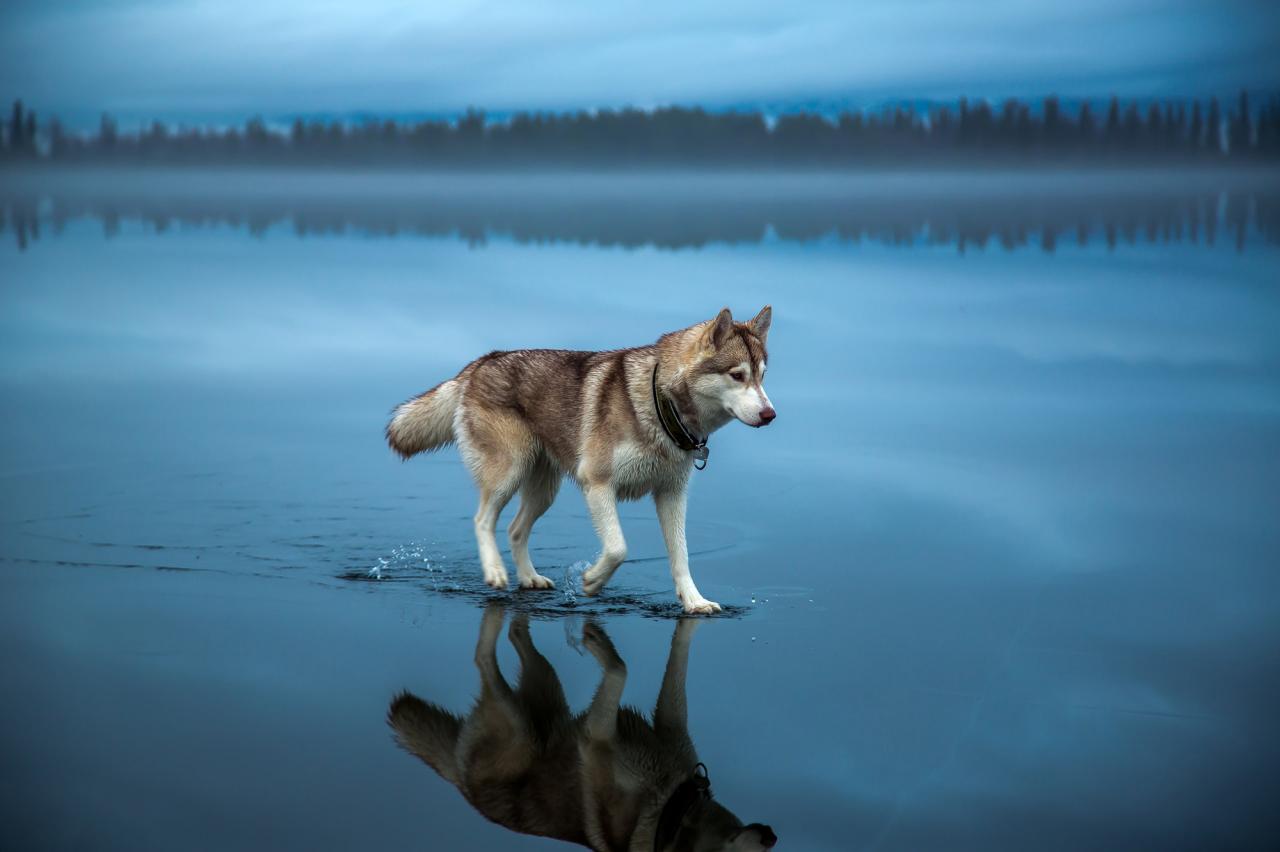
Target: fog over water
{"points": [[1002, 574], [674, 210]]}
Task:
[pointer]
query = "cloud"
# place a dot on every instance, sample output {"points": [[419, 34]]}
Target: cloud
{"points": [[240, 57]]}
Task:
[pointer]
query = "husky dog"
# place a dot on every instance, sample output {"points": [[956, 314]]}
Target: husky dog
{"points": [[607, 778], [622, 424]]}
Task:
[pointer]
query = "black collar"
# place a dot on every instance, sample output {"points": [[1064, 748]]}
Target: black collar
{"points": [[669, 417], [691, 791]]}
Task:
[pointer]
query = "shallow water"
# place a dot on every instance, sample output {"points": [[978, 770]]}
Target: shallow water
{"points": [[1002, 574]]}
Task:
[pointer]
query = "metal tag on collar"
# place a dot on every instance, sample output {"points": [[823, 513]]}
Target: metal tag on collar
{"points": [[702, 779], [700, 454]]}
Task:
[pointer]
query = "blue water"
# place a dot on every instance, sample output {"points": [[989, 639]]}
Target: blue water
{"points": [[1003, 574]]}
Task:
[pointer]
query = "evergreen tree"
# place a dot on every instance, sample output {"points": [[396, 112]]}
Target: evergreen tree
{"points": [[1086, 126], [1176, 128], [29, 142], [17, 132], [1051, 131], [58, 148], [1155, 128], [1213, 128], [1240, 133], [1112, 130], [1131, 130], [107, 133]]}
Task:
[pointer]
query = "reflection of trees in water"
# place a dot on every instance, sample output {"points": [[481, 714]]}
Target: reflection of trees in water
{"points": [[965, 221], [19, 216]]}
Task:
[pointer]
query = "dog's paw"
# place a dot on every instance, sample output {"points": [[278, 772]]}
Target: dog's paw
{"points": [[495, 578], [592, 585], [537, 581], [601, 647], [701, 606]]}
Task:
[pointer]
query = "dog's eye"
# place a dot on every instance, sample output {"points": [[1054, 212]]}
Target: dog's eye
{"points": [[737, 375]]}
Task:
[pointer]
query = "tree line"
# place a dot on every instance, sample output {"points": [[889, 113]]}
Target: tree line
{"points": [[970, 132]]}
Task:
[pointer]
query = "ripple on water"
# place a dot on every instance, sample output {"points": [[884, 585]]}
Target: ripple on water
{"points": [[424, 568]]}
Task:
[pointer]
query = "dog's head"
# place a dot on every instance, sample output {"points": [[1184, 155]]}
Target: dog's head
{"points": [[731, 359]]}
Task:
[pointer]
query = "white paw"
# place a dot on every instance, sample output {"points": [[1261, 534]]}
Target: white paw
{"points": [[701, 606], [592, 583], [536, 581], [495, 578]]}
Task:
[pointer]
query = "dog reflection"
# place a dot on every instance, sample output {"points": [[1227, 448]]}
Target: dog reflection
{"points": [[606, 778]]}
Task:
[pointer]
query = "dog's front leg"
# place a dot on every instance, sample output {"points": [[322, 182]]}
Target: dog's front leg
{"points": [[602, 503], [671, 511], [671, 714]]}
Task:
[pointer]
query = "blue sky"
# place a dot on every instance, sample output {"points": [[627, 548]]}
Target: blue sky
{"points": [[187, 59]]}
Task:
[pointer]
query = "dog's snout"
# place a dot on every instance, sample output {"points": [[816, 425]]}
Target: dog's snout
{"points": [[767, 838], [767, 415]]}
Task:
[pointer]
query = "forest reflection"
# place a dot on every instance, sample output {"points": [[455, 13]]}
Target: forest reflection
{"points": [[668, 213]]}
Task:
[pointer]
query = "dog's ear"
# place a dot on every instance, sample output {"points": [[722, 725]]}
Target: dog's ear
{"points": [[760, 325], [719, 330]]}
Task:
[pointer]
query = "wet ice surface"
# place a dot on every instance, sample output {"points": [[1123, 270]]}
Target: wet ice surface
{"points": [[1002, 574], [456, 577]]}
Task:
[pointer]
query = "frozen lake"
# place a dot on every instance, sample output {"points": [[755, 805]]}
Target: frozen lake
{"points": [[1004, 573]]}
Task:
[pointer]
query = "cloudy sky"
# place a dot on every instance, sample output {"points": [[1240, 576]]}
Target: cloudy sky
{"points": [[178, 59]]}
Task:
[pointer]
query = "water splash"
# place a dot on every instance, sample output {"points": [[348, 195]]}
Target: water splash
{"points": [[572, 581]]}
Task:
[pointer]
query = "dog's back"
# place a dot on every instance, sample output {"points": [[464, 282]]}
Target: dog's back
{"points": [[512, 397]]}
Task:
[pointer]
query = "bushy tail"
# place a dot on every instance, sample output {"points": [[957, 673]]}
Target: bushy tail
{"points": [[424, 422], [425, 730]]}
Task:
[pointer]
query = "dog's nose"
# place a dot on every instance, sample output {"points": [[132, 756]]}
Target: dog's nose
{"points": [[767, 838], [767, 415]]}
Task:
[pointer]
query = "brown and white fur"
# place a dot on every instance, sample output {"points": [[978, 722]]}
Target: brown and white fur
{"points": [[601, 778], [525, 419]]}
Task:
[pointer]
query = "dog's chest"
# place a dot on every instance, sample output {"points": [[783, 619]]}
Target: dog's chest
{"points": [[639, 470]]}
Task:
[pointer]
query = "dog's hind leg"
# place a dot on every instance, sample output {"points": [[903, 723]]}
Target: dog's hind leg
{"points": [[499, 450], [536, 496], [539, 690], [492, 502], [491, 680], [602, 715], [602, 503], [497, 722]]}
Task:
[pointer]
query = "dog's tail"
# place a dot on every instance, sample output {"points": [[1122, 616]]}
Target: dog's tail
{"points": [[426, 421], [427, 731]]}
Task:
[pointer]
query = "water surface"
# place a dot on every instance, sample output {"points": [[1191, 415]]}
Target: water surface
{"points": [[1002, 572]]}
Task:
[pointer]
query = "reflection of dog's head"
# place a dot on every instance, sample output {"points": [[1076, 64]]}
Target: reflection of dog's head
{"points": [[755, 836], [712, 828], [727, 373]]}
